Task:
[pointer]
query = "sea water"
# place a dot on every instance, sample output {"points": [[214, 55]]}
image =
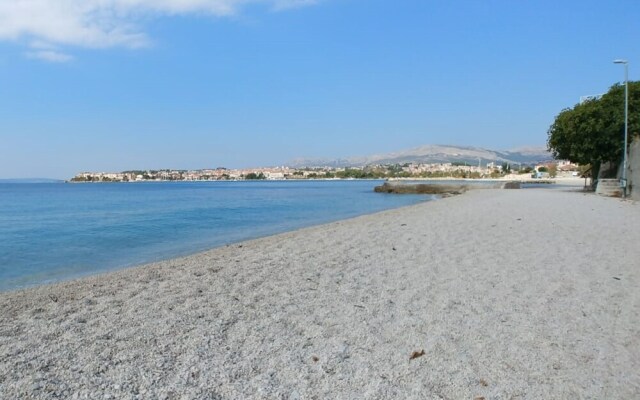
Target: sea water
{"points": [[55, 231]]}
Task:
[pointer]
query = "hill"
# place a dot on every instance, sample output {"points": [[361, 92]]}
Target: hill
{"points": [[430, 154]]}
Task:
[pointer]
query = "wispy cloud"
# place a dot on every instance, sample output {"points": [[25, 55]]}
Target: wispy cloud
{"points": [[104, 23], [45, 51], [50, 56]]}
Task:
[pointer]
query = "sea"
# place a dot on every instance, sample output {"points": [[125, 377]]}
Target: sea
{"points": [[57, 231]]}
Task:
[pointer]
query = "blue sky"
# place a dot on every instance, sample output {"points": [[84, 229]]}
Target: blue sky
{"points": [[108, 85]]}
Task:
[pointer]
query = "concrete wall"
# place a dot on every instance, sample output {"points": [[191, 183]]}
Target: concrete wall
{"points": [[633, 171]]}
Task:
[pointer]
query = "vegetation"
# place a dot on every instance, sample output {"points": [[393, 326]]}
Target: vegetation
{"points": [[593, 132], [358, 174], [254, 176], [584, 170], [525, 170]]}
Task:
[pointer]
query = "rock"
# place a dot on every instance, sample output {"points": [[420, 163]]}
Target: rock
{"points": [[420, 188], [416, 354], [511, 185], [442, 189]]}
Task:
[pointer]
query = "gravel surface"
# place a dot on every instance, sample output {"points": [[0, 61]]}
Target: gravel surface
{"points": [[494, 294]]}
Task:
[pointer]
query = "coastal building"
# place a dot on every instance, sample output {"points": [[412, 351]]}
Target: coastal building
{"points": [[565, 165], [274, 175]]}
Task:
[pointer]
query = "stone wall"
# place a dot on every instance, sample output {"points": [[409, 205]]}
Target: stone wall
{"points": [[633, 171]]}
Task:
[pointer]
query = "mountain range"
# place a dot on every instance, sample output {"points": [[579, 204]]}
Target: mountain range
{"points": [[433, 154]]}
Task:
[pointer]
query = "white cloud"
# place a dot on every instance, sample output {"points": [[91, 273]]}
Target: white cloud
{"points": [[104, 23], [50, 55]]}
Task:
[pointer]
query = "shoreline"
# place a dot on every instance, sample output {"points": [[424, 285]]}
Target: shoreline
{"points": [[494, 293], [519, 178], [111, 270], [193, 236]]}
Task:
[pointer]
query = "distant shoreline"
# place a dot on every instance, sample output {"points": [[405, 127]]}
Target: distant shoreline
{"points": [[501, 179]]}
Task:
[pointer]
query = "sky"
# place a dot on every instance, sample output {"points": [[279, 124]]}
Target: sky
{"points": [[112, 85]]}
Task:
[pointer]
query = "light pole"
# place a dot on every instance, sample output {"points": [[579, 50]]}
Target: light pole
{"points": [[623, 182]]}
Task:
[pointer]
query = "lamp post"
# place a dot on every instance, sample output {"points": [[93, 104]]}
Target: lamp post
{"points": [[623, 182]]}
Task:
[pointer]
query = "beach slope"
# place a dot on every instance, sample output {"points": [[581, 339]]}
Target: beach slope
{"points": [[492, 294]]}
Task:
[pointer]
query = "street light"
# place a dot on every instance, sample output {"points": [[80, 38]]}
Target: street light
{"points": [[623, 182]]}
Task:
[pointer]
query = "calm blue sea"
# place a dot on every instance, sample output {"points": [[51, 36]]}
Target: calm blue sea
{"points": [[56, 231]]}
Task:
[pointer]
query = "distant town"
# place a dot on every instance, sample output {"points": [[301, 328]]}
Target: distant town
{"points": [[407, 170]]}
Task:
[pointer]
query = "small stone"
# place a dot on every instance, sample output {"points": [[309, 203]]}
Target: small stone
{"points": [[416, 354]]}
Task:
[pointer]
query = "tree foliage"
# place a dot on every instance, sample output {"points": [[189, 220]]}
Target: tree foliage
{"points": [[593, 132], [254, 176]]}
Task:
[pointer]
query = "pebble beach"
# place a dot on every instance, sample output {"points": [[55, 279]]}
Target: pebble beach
{"points": [[492, 294]]}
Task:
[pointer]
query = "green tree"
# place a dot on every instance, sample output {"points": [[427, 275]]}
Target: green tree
{"points": [[254, 176], [593, 132]]}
